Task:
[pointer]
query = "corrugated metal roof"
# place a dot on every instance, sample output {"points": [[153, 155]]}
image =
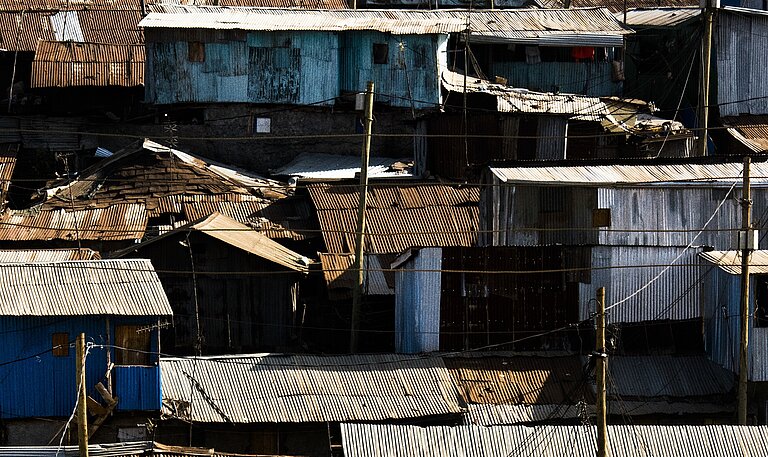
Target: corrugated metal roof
{"points": [[64, 5], [127, 449], [114, 199], [398, 217], [302, 4], [667, 376], [659, 17], [524, 25], [115, 222], [490, 415], [338, 273], [619, 5], [46, 255], [317, 166], [372, 440], [20, 31], [752, 131], [519, 379], [233, 233], [85, 287], [69, 64], [305, 388], [730, 261], [602, 175]]}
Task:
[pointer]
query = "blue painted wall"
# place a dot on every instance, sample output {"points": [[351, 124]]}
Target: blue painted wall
{"points": [[410, 78], [44, 385], [594, 78], [299, 68]]}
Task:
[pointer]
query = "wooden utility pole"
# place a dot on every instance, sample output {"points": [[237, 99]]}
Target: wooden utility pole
{"points": [[600, 371], [357, 292], [82, 415], [706, 71], [746, 251]]}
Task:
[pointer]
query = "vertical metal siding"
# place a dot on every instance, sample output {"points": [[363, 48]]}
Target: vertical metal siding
{"points": [[676, 295], [138, 388], [722, 327], [569, 77], [552, 133], [417, 303], [408, 79], [741, 63]]}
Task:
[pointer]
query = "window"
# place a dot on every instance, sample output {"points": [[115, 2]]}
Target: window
{"points": [[196, 51], [137, 344], [601, 217], [262, 125], [761, 300], [60, 344], [380, 53]]}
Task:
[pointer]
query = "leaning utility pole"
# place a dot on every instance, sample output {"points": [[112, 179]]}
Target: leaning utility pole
{"points": [[601, 362], [746, 239], [706, 69], [357, 292], [82, 416]]}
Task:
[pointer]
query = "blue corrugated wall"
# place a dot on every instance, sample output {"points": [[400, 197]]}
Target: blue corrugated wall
{"points": [[297, 68], [593, 79], [409, 78], [146, 398], [44, 385], [721, 319]]}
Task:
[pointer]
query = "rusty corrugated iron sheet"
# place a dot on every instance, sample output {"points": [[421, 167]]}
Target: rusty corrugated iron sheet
{"points": [[378, 279], [114, 199], [69, 64], [300, 4], [751, 131], [69, 5], [398, 216], [111, 223], [306, 388], [526, 379], [86, 287], [46, 255], [233, 233], [20, 31]]}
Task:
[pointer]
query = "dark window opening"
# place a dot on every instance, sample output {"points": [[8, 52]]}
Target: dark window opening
{"points": [[196, 51], [601, 217], [552, 199], [135, 344], [380, 53], [60, 344], [761, 300]]}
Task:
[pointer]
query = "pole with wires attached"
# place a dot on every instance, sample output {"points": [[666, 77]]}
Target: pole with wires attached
{"points": [[600, 374], [357, 292], [746, 240], [82, 412]]}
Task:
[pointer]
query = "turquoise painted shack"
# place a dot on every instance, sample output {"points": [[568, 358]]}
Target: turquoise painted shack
{"points": [[118, 304], [273, 56]]}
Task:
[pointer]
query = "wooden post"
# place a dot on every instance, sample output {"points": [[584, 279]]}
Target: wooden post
{"points": [[82, 414], [706, 59], [600, 372], [746, 252], [357, 292]]}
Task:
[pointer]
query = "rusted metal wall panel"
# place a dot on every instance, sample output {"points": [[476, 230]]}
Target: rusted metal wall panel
{"points": [[68, 64]]}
